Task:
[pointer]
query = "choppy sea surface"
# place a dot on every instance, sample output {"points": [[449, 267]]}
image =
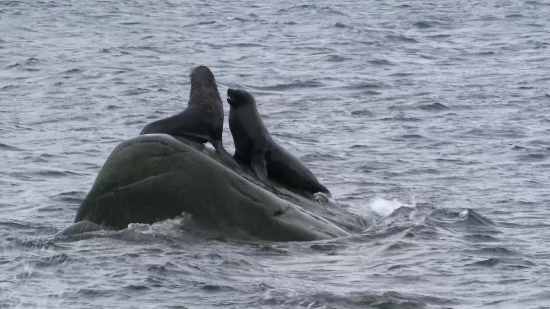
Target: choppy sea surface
{"points": [[428, 119]]}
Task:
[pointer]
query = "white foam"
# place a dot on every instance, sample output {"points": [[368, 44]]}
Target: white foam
{"points": [[321, 198], [385, 207]]}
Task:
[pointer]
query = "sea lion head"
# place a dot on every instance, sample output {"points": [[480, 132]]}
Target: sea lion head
{"points": [[202, 74], [204, 90], [238, 97]]}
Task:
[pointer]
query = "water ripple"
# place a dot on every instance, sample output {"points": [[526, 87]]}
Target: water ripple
{"points": [[427, 120]]}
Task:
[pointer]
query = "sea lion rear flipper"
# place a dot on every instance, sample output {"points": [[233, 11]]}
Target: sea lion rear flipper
{"points": [[259, 165], [188, 123]]}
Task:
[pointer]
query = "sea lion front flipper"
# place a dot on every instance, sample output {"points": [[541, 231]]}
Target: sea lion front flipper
{"points": [[259, 165], [218, 145]]}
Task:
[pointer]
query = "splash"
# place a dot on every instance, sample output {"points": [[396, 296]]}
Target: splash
{"points": [[321, 198], [386, 207], [168, 227]]}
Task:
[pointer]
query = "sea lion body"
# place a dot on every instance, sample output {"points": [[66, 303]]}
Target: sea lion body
{"points": [[202, 120], [255, 146]]}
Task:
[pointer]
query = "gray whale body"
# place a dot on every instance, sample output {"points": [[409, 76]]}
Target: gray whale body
{"points": [[157, 176]]}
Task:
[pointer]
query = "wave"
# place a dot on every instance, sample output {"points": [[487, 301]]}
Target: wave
{"points": [[467, 219], [293, 85], [8, 147]]}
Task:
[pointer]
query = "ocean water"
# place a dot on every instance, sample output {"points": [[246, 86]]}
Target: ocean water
{"points": [[429, 120]]}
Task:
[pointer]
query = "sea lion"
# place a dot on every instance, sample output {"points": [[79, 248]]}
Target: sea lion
{"points": [[202, 120], [255, 146]]}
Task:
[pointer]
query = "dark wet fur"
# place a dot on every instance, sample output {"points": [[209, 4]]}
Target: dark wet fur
{"points": [[254, 145], [204, 92], [202, 120]]}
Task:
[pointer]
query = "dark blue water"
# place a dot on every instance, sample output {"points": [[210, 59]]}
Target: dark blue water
{"points": [[429, 120]]}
